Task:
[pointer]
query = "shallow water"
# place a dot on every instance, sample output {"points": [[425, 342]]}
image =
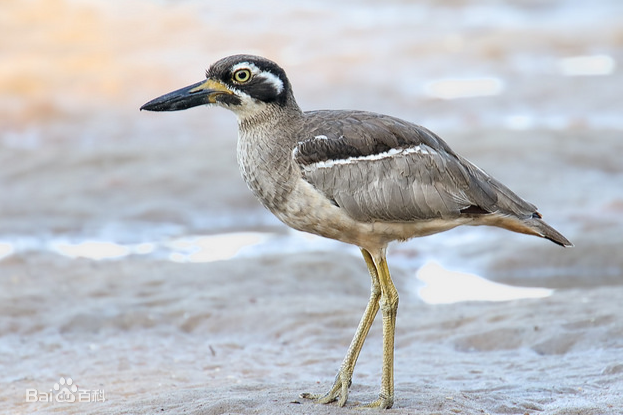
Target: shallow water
{"points": [[433, 284]]}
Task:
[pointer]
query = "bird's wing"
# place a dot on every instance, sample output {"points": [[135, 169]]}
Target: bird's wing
{"points": [[380, 168]]}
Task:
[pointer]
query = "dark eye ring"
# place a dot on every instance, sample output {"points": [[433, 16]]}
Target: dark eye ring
{"points": [[242, 75]]}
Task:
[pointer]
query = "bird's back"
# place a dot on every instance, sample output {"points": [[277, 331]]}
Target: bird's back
{"points": [[382, 169]]}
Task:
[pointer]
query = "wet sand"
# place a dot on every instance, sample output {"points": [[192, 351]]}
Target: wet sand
{"points": [[241, 337], [246, 335]]}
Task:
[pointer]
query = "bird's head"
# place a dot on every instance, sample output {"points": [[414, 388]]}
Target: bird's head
{"points": [[245, 84]]}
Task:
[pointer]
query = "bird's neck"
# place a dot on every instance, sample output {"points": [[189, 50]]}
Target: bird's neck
{"points": [[265, 145], [268, 115]]}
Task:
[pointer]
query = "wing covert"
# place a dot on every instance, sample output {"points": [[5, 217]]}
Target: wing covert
{"points": [[379, 168]]}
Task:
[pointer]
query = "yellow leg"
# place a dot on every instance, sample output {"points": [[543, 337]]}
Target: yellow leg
{"points": [[345, 374], [389, 308]]}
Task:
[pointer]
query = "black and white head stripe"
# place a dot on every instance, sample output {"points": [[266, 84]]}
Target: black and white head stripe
{"points": [[268, 82], [270, 77]]}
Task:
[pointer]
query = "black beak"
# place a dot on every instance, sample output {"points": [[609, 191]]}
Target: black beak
{"points": [[201, 93]]}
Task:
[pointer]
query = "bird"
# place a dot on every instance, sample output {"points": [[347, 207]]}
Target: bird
{"points": [[358, 177]]}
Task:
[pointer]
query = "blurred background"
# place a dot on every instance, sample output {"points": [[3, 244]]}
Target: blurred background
{"points": [[113, 221], [528, 90]]}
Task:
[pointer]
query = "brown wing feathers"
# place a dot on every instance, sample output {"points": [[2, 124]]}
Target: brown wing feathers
{"points": [[381, 168]]}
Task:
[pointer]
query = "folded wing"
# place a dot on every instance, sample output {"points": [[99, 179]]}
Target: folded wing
{"points": [[379, 168]]}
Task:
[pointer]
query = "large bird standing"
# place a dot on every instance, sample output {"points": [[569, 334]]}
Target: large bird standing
{"points": [[358, 177]]}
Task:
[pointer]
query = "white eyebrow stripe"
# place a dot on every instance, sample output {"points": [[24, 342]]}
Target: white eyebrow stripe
{"points": [[268, 76], [273, 79], [248, 65]]}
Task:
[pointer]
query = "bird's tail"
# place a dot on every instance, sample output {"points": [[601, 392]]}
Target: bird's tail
{"points": [[542, 229]]}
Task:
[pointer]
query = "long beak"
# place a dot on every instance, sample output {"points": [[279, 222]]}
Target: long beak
{"points": [[201, 93]]}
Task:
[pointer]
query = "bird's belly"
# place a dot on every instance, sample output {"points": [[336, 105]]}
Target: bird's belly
{"points": [[308, 210]]}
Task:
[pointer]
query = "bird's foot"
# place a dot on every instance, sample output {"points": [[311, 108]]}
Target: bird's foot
{"points": [[383, 402], [339, 391]]}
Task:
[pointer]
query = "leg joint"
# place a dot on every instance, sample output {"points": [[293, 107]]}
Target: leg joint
{"points": [[375, 290], [389, 300]]}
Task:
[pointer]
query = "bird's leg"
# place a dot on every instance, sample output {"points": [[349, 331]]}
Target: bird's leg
{"points": [[345, 374], [389, 307]]}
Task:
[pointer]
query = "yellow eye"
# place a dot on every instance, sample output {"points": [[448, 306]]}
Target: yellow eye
{"points": [[242, 75]]}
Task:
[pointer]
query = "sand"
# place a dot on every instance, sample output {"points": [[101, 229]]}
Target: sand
{"points": [[246, 337]]}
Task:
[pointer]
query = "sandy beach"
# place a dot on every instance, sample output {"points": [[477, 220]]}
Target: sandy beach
{"points": [[138, 273], [244, 337]]}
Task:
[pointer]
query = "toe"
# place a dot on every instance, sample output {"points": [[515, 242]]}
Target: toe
{"points": [[383, 402], [312, 396]]}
